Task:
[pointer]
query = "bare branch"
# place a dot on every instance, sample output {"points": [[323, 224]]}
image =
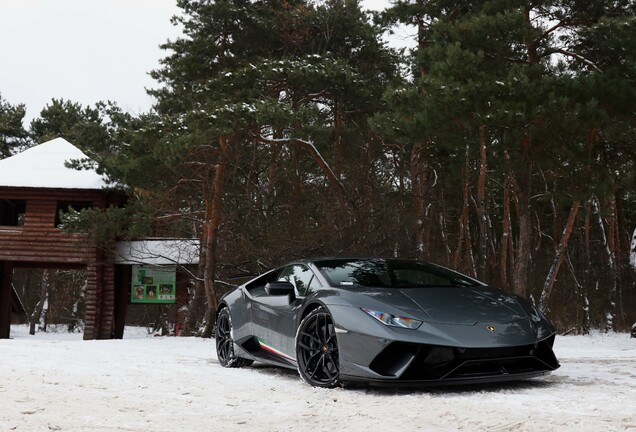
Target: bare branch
{"points": [[579, 58], [562, 23], [312, 97], [310, 148]]}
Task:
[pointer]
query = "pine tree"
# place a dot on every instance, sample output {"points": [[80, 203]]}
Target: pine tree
{"points": [[535, 86], [269, 90], [13, 137]]}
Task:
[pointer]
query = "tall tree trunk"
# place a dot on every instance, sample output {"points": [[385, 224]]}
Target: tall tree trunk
{"points": [[367, 194], [506, 236], [610, 311], [444, 229], [76, 321], [523, 190], [558, 257], [472, 271], [524, 249], [39, 313], [463, 218], [481, 206], [614, 249], [196, 305], [213, 209], [584, 305], [337, 142], [632, 252], [272, 170], [417, 198]]}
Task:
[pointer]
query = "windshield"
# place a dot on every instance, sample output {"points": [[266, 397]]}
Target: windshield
{"points": [[390, 273]]}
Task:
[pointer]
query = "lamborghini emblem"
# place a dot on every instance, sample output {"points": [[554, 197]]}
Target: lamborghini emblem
{"points": [[491, 329]]}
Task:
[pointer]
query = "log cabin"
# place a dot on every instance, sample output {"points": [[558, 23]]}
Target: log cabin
{"points": [[35, 187]]}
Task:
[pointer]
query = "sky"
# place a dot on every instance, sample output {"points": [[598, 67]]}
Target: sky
{"points": [[81, 50], [85, 51]]}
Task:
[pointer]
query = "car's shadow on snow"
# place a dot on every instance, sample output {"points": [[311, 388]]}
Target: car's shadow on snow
{"points": [[276, 372], [455, 389], [280, 373]]}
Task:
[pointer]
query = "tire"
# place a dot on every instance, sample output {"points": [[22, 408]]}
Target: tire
{"points": [[225, 342], [317, 350]]}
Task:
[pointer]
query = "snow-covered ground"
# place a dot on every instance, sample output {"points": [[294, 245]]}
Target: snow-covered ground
{"points": [[57, 381]]}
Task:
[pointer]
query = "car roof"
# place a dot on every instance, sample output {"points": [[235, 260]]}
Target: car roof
{"points": [[347, 258]]}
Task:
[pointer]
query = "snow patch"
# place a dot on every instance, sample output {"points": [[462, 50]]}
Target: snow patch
{"points": [[141, 383], [43, 166]]}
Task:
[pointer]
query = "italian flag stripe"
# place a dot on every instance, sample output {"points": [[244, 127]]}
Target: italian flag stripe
{"points": [[273, 350]]}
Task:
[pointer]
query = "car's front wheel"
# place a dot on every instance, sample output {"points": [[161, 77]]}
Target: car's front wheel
{"points": [[317, 349], [225, 343]]}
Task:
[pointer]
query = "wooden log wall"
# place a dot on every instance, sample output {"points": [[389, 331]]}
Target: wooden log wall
{"points": [[38, 242]]}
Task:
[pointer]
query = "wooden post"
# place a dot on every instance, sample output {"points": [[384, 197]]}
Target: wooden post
{"points": [[182, 301], [108, 301], [122, 297], [6, 273], [93, 302]]}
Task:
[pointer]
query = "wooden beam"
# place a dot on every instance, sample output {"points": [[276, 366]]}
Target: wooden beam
{"points": [[6, 273]]}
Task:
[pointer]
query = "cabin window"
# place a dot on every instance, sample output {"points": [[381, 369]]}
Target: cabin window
{"points": [[12, 212], [64, 206]]}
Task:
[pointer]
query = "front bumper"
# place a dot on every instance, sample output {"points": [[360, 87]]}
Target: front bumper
{"points": [[440, 354]]}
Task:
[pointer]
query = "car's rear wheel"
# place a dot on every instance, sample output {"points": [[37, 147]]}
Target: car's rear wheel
{"points": [[225, 342], [317, 349]]}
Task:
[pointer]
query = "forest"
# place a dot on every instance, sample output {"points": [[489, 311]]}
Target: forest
{"points": [[501, 145]]}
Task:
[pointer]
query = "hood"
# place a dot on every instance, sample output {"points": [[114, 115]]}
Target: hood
{"points": [[465, 305], [451, 305]]}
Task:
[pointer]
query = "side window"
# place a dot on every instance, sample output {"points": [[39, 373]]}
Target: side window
{"points": [[287, 275], [301, 277], [12, 212], [257, 286], [63, 209], [313, 286]]}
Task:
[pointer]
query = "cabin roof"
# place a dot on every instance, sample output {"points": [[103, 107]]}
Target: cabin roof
{"points": [[43, 166]]}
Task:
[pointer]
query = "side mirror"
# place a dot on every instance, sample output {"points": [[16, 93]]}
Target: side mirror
{"points": [[280, 288]]}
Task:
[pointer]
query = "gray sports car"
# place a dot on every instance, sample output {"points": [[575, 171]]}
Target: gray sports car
{"points": [[382, 320]]}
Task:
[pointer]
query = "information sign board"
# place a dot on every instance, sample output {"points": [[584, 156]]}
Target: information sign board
{"points": [[153, 284]]}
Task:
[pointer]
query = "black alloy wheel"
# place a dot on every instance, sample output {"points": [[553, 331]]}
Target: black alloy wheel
{"points": [[225, 343], [317, 349]]}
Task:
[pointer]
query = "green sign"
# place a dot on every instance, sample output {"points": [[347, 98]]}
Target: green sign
{"points": [[153, 284]]}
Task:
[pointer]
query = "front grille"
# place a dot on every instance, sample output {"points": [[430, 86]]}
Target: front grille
{"points": [[505, 366], [413, 362]]}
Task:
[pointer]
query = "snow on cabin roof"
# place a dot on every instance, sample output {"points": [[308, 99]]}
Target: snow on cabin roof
{"points": [[42, 166]]}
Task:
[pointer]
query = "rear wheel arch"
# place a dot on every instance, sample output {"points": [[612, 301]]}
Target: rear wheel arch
{"points": [[224, 341]]}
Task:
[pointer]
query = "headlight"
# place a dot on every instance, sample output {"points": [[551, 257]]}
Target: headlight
{"points": [[394, 320]]}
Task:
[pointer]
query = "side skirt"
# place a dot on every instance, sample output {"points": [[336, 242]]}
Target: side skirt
{"points": [[259, 350]]}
